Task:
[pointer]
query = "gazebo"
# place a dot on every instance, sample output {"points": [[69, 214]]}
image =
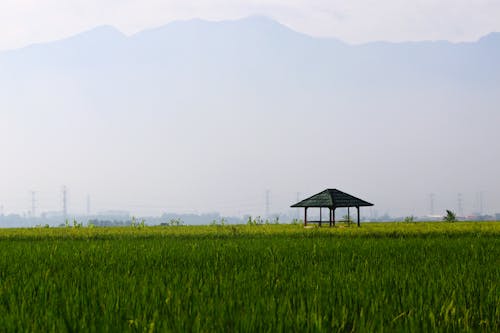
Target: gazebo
{"points": [[331, 199]]}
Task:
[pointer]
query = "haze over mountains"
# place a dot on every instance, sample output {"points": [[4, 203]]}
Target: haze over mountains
{"points": [[205, 116]]}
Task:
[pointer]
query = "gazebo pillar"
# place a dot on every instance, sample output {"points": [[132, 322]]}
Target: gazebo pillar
{"points": [[305, 216], [359, 224], [330, 216], [333, 216], [320, 217]]}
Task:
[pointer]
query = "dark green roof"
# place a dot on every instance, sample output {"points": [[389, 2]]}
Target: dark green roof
{"points": [[332, 198]]}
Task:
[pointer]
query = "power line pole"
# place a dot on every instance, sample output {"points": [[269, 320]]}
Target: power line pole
{"points": [[481, 203], [460, 206], [267, 203], [33, 204], [298, 210], [431, 197], [65, 203], [88, 205]]}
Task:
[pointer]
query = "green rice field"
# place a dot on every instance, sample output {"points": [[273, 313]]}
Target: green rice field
{"points": [[394, 277]]}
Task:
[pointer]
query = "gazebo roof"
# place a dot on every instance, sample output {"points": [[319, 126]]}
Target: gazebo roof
{"points": [[332, 198]]}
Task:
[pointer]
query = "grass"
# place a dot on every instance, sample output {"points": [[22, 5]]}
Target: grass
{"points": [[381, 277]]}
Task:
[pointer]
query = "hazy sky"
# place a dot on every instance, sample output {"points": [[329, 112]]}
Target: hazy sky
{"points": [[197, 130], [28, 21]]}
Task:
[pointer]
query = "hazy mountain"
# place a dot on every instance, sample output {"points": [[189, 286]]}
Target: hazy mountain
{"points": [[207, 115]]}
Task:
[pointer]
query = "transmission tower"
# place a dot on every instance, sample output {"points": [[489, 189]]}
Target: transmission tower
{"points": [[88, 205], [298, 211], [460, 205], [33, 204], [65, 203], [431, 197], [268, 204], [481, 199]]}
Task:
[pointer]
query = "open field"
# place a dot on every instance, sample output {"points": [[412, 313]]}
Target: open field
{"points": [[381, 277]]}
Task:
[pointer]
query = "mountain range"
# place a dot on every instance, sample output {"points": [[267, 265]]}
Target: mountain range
{"points": [[210, 114]]}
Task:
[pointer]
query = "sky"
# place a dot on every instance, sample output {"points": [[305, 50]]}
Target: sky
{"points": [[55, 124], [24, 22]]}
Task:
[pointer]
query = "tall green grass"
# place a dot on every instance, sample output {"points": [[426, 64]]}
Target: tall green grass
{"points": [[382, 277]]}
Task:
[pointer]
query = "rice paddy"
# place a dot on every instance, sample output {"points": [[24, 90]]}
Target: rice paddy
{"points": [[266, 278]]}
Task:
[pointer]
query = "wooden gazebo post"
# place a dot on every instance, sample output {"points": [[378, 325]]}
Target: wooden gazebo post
{"points": [[320, 217], [305, 216], [359, 224]]}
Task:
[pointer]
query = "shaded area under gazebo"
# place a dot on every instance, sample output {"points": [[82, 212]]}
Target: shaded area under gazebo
{"points": [[331, 199]]}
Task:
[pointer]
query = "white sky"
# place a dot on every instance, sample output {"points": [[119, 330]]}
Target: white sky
{"points": [[45, 162], [24, 22]]}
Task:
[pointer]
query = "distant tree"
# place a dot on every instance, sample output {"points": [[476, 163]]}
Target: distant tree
{"points": [[409, 219], [256, 221], [220, 223], [175, 222], [450, 216]]}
